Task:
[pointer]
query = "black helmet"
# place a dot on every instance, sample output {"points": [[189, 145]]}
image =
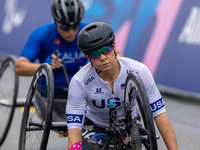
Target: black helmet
{"points": [[95, 36], [67, 12]]}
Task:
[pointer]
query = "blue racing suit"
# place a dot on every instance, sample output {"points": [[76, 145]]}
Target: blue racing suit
{"points": [[44, 41]]}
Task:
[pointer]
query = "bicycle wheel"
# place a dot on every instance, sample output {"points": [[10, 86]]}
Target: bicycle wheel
{"points": [[8, 95], [143, 132], [36, 123]]}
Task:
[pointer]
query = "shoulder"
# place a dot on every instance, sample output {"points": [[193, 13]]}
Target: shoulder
{"points": [[130, 63], [45, 29]]}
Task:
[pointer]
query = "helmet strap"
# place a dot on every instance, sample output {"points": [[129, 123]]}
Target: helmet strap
{"points": [[115, 54], [98, 71]]}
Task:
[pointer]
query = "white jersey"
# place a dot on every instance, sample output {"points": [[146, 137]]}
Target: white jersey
{"points": [[89, 94]]}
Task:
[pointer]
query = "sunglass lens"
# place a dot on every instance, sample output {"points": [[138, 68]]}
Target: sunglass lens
{"points": [[94, 54], [105, 50], [67, 28]]}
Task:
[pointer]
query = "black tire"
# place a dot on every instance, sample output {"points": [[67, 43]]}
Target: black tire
{"points": [[8, 95], [143, 117], [35, 129]]}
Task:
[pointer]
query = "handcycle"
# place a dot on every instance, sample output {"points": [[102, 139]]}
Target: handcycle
{"points": [[134, 130], [9, 83]]}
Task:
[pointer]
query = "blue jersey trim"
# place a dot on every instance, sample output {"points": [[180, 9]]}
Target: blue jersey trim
{"points": [[157, 105], [74, 118]]}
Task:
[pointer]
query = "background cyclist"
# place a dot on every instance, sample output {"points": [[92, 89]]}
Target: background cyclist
{"points": [[46, 39], [60, 35], [101, 80]]}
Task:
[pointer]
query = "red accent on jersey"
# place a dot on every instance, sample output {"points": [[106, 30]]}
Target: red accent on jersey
{"points": [[57, 41]]}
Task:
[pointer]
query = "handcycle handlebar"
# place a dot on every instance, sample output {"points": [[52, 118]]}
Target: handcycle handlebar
{"points": [[63, 67]]}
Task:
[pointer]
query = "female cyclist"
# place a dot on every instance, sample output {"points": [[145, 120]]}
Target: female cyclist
{"points": [[103, 79]]}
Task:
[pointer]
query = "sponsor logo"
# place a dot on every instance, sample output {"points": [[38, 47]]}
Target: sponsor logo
{"points": [[89, 80], [190, 33], [157, 105], [72, 118], [57, 41], [98, 91]]}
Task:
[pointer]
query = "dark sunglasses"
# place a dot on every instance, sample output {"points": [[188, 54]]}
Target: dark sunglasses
{"points": [[105, 50], [68, 27]]}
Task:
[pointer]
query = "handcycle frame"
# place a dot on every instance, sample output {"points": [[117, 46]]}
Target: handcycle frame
{"points": [[44, 70], [60, 127], [11, 60]]}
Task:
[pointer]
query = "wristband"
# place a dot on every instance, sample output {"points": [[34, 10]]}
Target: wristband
{"points": [[49, 59], [76, 146]]}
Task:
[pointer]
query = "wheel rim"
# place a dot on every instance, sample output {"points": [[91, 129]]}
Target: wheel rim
{"points": [[8, 95]]}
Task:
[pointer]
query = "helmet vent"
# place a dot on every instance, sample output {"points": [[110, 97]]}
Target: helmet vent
{"points": [[90, 28], [60, 14], [95, 41], [68, 12], [71, 16], [79, 12], [111, 34]]}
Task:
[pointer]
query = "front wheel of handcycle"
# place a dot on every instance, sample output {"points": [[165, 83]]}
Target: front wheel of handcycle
{"points": [[143, 132], [37, 115], [8, 95]]}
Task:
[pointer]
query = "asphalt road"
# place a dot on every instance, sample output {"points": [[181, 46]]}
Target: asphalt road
{"points": [[183, 113]]}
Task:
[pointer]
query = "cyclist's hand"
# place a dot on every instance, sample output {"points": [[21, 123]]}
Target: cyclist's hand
{"points": [[54, 61]]}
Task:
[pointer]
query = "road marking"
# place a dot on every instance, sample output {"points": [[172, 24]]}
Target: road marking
{"points": [[32, 109]]}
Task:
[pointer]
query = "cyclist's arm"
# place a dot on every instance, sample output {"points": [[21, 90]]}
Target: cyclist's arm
{"points": [[75, 110], [25, 67], [165, 128], [75, 135], [159, 113]]}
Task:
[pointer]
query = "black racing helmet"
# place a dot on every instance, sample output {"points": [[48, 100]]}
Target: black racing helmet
{"points": [[67, 12], [95, 36]]}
